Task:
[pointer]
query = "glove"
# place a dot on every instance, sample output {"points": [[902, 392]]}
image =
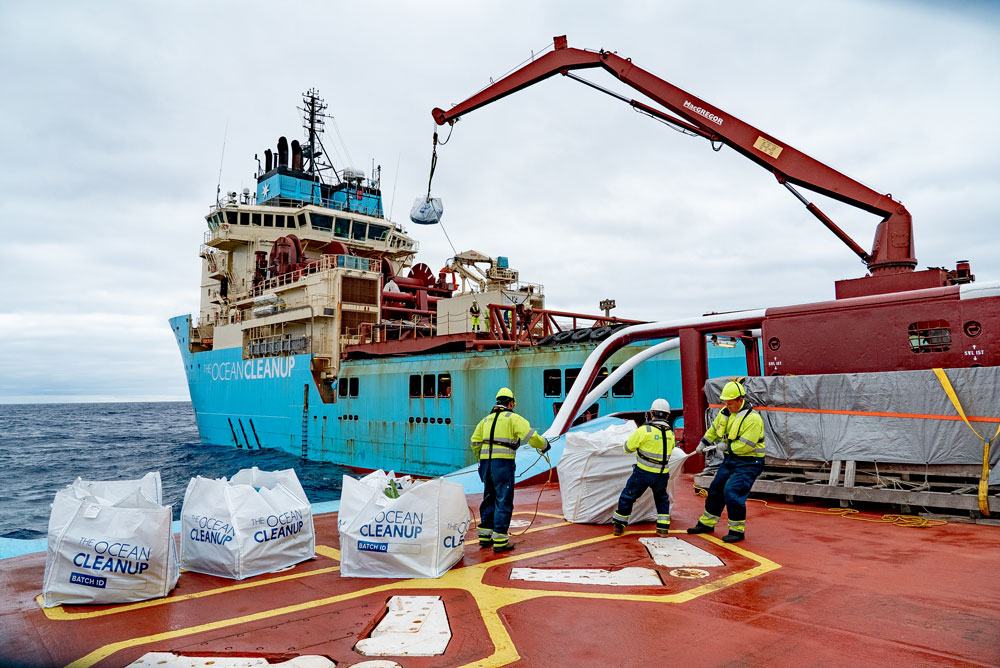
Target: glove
{"points": [[702, 446], [548, 446]]}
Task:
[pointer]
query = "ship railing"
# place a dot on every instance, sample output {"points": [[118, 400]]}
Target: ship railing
{"points": [[323, 263]]}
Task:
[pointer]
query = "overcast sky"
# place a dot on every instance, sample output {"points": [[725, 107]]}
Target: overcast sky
{"points": [[114, 116]]}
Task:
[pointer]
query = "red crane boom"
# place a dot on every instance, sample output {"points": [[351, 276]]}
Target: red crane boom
{"points": [[891, 260]]}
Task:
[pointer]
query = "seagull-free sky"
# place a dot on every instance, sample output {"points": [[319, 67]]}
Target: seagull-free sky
{"points": [[120, 119]]}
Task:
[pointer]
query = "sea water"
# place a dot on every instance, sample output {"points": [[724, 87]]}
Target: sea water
{"points": [[44, 447]]}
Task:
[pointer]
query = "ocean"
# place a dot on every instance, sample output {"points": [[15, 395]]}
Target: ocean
{"points": [[44, 447]]}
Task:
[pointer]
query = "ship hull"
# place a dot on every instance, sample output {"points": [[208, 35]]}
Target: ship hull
{"points": [[377, 419]]}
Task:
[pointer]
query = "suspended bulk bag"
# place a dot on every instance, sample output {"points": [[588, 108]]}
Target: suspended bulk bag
{"points": [[257, 522], [427, 211], [109, 542], [593, 470], [420, 533]]}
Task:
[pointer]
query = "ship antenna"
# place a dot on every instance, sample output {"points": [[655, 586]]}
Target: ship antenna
{"points": [[218, 184]]}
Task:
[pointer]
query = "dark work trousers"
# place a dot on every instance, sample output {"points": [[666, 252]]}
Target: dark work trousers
{"points": [[639, 482], [498, 494], [731, 486]]}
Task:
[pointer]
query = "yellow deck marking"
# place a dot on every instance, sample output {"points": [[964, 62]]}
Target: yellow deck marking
{"points": [[489, 599], [59, 613]]}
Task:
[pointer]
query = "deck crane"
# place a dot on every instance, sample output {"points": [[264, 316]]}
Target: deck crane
{"points": [[891, 261]]}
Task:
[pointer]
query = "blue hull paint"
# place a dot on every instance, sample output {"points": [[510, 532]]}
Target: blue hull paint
{"points": [[275, 403]]}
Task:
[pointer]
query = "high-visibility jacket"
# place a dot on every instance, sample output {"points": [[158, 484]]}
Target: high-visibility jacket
{"points": [[498, 435], [741, 432], [652, 445]]}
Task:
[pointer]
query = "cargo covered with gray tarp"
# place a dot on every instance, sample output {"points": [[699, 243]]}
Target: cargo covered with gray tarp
{"points": [[894, 417]]}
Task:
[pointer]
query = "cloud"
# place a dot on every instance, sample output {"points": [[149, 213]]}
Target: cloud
{"points": [[121, 117]]}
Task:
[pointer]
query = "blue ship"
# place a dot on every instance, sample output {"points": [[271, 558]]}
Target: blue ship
{"points": [[319, 334]]}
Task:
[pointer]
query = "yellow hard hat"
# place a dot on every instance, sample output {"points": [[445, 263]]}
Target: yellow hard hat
{"points": [[732, 390], [505, 392]]}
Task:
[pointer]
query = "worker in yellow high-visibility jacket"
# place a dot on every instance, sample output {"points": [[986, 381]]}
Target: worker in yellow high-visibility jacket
{"points": [[495, 440], [652, 444], [739, 429]]}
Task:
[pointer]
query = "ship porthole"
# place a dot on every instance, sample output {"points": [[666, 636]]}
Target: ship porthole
{"points": [[447, 420], [411, 419]]}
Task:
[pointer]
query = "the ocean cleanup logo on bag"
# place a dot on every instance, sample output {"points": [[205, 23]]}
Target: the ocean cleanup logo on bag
{"points": [[368, 546], [394, 524], [114, 557], [456, 539], [210, 530], [272, 367], [273, 527], [88, 580]]}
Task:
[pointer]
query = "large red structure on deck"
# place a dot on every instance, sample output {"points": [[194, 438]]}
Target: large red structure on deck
{"points": [[893, 319]]}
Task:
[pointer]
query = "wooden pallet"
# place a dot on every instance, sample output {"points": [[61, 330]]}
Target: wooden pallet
{"points": [[954, 487]]}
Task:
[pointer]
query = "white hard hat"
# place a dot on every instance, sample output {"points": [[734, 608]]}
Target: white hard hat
{"points": [[660, 405]]}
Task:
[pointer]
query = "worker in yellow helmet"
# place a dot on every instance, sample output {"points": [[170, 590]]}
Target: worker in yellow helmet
{"points": [[495, 440], [652, 444], [740, 430]]}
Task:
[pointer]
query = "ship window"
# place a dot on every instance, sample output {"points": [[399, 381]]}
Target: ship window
{"points": [[415, 386], [279, 221], [231, 217], [624, 387], [929, 336], [444, 385], [601, 376], [342, 387], [552, 382], [268, 220], [430, 386], [244, 218], [255, 219], [571, 375], [302, 220], [358, 230], [377, 232], [342, 227], [321, 221], [354, 386]]}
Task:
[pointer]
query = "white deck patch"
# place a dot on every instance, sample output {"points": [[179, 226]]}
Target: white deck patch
{"points": [[518, 523], [413, 626], [626, 577], [169, 660], [676, 553]]}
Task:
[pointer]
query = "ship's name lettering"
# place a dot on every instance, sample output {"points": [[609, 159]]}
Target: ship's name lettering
{"points": [[274, 367]]}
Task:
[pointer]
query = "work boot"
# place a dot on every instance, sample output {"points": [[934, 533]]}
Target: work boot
{"points": [[506, 547], [618, 528], [701, 528], [732, 537], [662, 533], [485, 543]]}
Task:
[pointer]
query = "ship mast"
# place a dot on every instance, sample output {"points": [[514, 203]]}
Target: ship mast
{"points": [[313, 122]]}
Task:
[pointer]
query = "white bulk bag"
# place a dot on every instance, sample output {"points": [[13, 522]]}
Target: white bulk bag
{"points": [[427, 211], [109, 542], [593, 470], [257, 522], [419, 534]]}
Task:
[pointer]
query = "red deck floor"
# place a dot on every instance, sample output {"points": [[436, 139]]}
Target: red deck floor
{"points": [[804, 589]]}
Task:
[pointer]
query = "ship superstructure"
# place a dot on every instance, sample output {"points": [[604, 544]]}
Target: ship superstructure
{"points": [[320, 334]]}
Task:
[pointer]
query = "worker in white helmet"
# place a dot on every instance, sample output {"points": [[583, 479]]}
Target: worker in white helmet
{"points": [[652, 444], [739, 429]]}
